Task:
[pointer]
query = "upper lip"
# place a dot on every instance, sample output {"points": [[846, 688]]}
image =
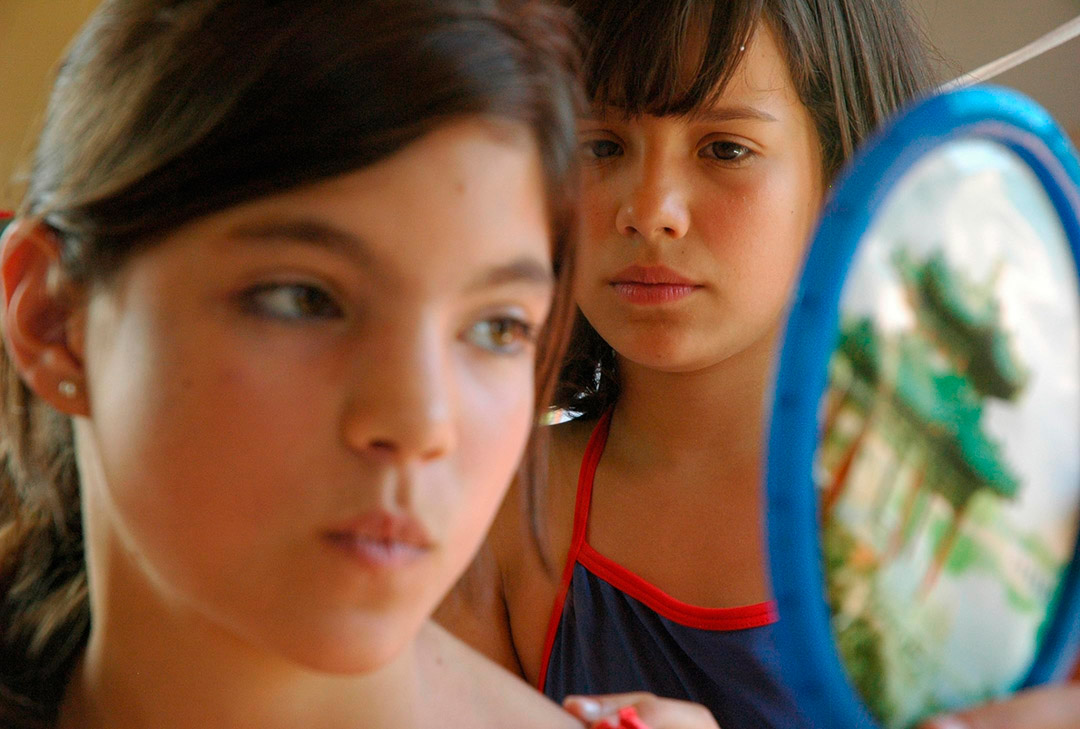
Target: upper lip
{"points": [[383, 526], [651, 275]]}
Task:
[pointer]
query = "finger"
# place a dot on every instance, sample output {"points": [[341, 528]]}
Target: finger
{"points": [[1055, 707], [674, 714], [597, 707]]}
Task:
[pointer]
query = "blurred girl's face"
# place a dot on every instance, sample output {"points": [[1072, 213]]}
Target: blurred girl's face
{"points": [[305, 410], [694, 227]]}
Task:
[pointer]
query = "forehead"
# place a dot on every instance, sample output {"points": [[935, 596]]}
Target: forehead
{"points": [[468, 196], [763, 71], [466, 193]]}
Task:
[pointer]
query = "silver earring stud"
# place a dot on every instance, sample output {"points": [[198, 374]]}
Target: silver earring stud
{"points": [[67, 388]]}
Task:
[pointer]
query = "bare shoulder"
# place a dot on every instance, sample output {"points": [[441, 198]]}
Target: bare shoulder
{"points": [[467, 690], [501, 605], [530, 541], [550, 507], [475, 611], [568, 439], [567, 450]]}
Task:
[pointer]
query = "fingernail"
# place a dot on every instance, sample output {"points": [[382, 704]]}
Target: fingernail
{"points": [[588, 708]]}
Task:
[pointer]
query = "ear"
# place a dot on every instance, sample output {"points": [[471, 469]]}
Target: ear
{"points": [[41, 324]]}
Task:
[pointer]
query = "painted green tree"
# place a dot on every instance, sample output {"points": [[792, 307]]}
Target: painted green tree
{"points": [[933, 380]]}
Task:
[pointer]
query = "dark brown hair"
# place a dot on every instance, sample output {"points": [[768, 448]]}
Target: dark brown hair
{"points": [[168, 110], [854, 63]]}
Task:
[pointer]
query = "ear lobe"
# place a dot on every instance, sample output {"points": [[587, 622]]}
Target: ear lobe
{"points": [[35, 317]]}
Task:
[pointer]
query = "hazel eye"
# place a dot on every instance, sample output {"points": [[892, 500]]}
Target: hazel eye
{"points": [[726, 151], [291, 302], [600, 149], [501, 335]]}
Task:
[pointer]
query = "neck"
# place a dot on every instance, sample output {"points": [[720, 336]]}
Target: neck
{"points": [[150, 664], [712, 418]]}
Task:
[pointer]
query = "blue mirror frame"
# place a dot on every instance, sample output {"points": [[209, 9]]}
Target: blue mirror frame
{"points": [[810, 662]]}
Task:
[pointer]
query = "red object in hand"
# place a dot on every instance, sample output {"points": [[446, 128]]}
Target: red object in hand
{"points": [[629, 719]]}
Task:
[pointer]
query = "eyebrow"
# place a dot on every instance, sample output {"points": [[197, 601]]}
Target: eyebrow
{"points": [[523, 270], [734, 112], [306, 230]]}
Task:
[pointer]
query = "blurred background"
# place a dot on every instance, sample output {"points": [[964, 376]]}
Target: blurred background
{"points": [[967, 34]]}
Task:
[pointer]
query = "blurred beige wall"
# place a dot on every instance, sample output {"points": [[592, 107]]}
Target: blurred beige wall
{"points": [[33, 36], [969, 33]]}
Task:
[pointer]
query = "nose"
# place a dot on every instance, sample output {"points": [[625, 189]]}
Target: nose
{"points": [[404, 404], [656, 208]]}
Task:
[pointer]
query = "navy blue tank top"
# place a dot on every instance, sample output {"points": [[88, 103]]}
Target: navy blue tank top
{"points": [[612, 632]]}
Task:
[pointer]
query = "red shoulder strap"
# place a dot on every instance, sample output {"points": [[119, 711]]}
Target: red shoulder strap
{"points": [[593, 450]]}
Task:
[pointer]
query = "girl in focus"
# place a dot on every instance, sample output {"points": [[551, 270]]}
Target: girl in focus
{"points": [[278, 318], [715, 129]]}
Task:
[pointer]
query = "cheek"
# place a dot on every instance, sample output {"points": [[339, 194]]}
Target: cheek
{"points": [[597, 206], [196, 448], [496, 425], [761, 229], [597, 231]]}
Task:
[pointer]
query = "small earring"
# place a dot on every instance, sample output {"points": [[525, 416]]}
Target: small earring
{"points": [[67, 388]]}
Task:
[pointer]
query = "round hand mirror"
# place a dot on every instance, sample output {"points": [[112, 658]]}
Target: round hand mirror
{"points": [[923, 476]]}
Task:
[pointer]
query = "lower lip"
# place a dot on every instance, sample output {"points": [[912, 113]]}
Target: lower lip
{"points": [[651, 294], [376, 553]]}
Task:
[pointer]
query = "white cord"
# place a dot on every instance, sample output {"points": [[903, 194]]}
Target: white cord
{"points": [[1053, 39]]}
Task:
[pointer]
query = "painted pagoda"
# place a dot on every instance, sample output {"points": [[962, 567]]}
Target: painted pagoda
{"points": [[921, 394]]}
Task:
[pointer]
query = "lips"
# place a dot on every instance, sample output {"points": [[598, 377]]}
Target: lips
{"points": [[380, 540], [651, 285], [651, 275]]}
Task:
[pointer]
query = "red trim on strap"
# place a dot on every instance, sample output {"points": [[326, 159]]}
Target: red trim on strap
{"points": [[692, 616], [6, 214], [593, 450]]}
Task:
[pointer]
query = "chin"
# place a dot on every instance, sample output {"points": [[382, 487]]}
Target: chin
{"points": [[350, 646], [658, 351]]}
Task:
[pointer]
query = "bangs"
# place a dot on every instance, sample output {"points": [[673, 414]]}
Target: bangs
{"points": [[663, 57]]}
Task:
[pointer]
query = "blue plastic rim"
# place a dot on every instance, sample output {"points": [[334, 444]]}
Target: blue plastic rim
{"points": [[810, 662]]}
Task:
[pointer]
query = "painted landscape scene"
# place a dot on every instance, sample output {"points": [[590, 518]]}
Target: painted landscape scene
{"points": [[948, 467]]}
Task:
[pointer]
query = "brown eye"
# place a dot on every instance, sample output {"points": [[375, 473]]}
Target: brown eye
{"points": [[599, 149], [291, 302], [726, 151], [501, 335]]}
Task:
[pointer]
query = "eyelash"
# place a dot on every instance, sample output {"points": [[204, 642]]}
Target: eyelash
{"points": [[743, 154], [485, 334], [588, 149], [738, 154], [304, 301], [498, 335]]}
